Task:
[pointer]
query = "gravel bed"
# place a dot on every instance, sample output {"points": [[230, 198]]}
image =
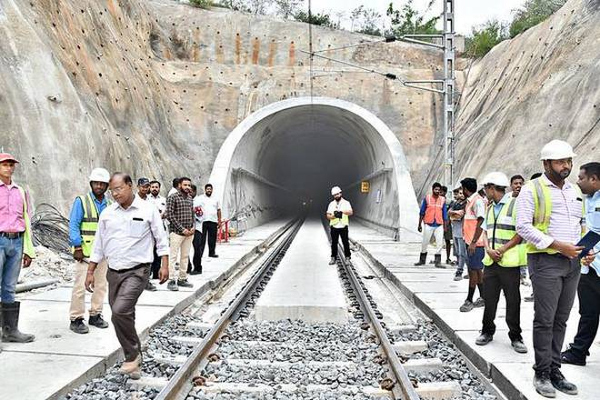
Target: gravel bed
{"points": [[112, 386], [276, 394], [455, 367], [296, 373]]}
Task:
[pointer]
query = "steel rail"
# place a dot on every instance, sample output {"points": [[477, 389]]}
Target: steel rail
{"points": [[181, 379], [405, 391]]}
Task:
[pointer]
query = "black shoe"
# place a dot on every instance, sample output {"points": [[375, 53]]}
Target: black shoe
{"points": [[172, 285], [568, 357], [484, 339], [184, 283], [519, 346], [196, 272], [542, 384], [78, 326], [560, 383], [98, 321], [213, 256]]}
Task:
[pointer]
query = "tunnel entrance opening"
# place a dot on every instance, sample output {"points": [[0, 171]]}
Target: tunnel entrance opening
{"points": [[287, 156]]}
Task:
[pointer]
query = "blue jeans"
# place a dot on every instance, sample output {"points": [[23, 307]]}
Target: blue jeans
{"points": [[11, 258], [460, 249]]}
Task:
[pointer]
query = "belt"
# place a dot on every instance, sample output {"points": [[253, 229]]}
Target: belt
{"points": [[120, 271], [11, 235]]}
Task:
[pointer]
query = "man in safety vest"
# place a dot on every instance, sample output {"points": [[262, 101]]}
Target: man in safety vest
{"points": [[83, 224], [16, 247], [435, 216], [474, 240], [588, 290], [338, 212], [501, 262], [550, 218]]}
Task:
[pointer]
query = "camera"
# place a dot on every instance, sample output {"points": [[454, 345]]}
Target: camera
{"points": [[338, 214]]}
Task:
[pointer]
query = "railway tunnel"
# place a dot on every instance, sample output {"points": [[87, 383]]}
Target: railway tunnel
{"points": [[289, 154]]}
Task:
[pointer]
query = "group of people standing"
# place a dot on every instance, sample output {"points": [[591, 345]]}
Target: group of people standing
{"points": [[119, 244], [536, 226]]}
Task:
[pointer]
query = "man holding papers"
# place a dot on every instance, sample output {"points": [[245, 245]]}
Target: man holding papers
{"points": [[588, 290], [550, 219]]}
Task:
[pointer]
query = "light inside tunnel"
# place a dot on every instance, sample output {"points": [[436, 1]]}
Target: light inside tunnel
{"points": [[293, 153]]}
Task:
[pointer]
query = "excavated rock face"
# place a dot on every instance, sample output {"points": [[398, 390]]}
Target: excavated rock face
{"points": [[540, 86], [154, 87]]}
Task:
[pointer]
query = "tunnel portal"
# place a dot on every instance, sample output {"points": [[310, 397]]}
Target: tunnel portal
{"points": [[289, 154]]}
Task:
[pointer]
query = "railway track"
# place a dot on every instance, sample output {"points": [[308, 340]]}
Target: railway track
{"points": [[239, 357]]}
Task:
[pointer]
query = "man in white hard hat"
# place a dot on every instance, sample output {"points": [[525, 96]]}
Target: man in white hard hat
{"points": [[83, 224], [16, 247], [337, 213], [502, 261], [550, 218]]}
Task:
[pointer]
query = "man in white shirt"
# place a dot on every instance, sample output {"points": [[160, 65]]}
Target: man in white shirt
{"points": [[208, 213], [337, 213], [127, 231]]}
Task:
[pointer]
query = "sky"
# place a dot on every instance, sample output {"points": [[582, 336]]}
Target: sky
{"points": [[468, 13]]}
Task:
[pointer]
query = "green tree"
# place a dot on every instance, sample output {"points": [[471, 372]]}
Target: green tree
{"points": [[532, 13], [322, 19], [484, 38], [408, 20], [287, 8], [365, 20], [205, 4]]}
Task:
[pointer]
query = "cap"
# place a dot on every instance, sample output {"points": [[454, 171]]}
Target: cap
{"points": [[335, 190], [143, 181], [7, 157]]}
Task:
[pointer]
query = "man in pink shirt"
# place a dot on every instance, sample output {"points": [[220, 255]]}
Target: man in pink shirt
{"points": [[16, 247]]}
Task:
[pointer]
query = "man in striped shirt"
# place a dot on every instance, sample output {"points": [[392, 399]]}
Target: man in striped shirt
{"points": [[549, 218]]}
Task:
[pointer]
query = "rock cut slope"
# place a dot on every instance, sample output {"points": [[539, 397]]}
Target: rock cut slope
{"points": [[542, 85]]}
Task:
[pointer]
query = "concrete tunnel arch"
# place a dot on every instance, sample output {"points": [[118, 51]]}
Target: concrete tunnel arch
{"points": [[293, 151]]}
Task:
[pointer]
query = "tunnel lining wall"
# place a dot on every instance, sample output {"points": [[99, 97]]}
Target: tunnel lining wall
{"points": [[401, 216]]}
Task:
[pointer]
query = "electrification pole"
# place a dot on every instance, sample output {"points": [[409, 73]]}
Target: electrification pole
{"points": [[449, 80]]}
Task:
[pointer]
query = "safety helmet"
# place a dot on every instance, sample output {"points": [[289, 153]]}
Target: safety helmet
{"points": [[496, 179], [335, 190], [557, 150], [99, 175]]}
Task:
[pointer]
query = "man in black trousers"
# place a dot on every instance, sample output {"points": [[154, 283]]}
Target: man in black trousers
{"points": [[338, 212], [208, 212]]}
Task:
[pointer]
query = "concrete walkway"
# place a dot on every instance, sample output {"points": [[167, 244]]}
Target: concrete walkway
{"points": [[59, 359], [304, 286], [440, 297]]}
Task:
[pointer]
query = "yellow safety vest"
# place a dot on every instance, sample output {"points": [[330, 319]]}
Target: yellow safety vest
{"points": [[344, 220], [542, 201], [501, 230], [89, 223], [28, 248]]}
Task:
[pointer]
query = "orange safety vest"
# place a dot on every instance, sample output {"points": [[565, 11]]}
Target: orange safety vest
{"points": [[433, 211], [470, 222]]}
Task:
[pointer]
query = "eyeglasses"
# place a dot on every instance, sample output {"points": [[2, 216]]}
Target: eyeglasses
{"points": [[118, 189]]}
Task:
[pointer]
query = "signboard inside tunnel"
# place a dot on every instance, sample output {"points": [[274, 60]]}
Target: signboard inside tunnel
{"points": [[365, 187]]}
